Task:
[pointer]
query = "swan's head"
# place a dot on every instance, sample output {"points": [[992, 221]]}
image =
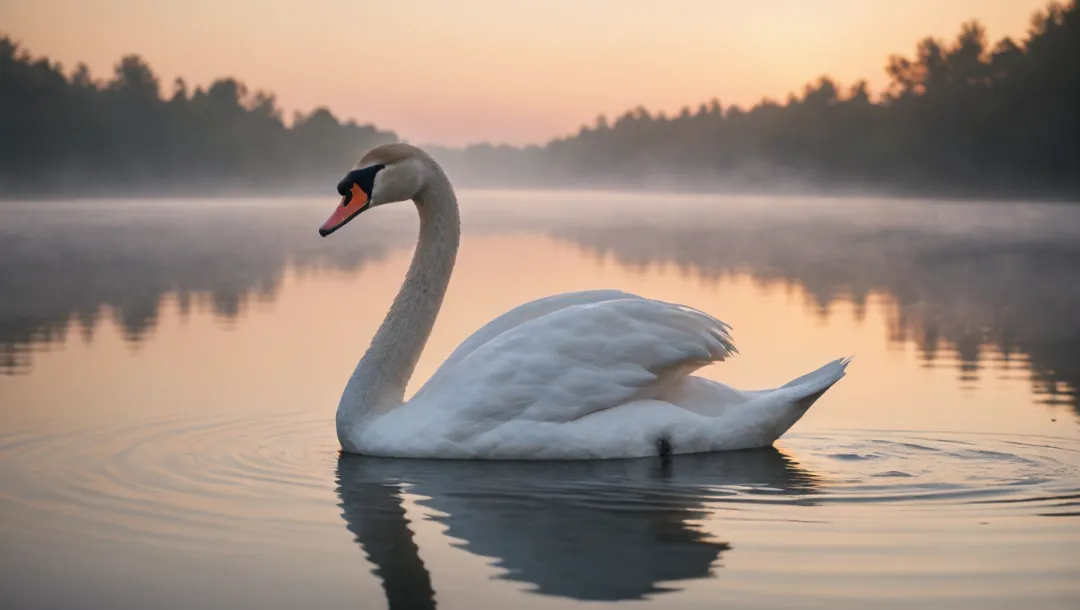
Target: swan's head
{"points": [[387, 173]]}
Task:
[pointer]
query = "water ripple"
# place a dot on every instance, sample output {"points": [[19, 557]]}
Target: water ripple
{"points": [[941, 468], [190, 482], [215, 483]]}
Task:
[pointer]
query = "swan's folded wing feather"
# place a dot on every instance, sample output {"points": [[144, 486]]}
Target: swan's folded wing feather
{"points": [[578, 360], [518, 316]]}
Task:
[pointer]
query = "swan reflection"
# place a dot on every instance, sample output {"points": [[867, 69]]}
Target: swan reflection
{"points": [[604, 530]]}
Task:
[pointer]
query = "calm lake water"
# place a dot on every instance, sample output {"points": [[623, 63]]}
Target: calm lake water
{"points": [[169, 372]]}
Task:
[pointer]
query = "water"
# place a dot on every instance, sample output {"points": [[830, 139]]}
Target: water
{"points": [[169, 372]]}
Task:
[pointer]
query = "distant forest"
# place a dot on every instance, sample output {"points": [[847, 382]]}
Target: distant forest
{"points": [[961, 118]]}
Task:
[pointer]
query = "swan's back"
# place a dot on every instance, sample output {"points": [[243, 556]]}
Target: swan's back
{"points": [[520, 315]]}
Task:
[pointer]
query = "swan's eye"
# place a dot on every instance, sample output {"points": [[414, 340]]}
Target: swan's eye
{"points": [[363, 177]]}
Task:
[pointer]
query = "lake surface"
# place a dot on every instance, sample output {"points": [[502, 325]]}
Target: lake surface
{"points": [[169, 372]]}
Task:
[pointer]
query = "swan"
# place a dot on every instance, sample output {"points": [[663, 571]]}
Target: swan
{"points": [[595, 374]]}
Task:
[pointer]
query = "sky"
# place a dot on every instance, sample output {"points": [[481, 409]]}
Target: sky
{"points": [[505, 71]]}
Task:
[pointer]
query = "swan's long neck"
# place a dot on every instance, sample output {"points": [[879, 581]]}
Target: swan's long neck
{"points": [[378, 383]]}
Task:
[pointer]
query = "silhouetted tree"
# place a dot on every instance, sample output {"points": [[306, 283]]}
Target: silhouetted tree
{"points": [[958, 118], [74, 134]]}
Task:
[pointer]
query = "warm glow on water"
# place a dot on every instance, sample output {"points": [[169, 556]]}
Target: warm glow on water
{"points": [[308, 338], [179, 429]]}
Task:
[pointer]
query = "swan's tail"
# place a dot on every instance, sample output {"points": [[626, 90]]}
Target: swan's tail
{"points": [[776, 411], [823, 378]]}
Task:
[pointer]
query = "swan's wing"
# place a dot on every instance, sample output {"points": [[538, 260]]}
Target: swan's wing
{"points": [[578, 360], [519, 315]]}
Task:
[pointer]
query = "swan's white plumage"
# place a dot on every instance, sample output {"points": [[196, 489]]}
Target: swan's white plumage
{"points": [[631, 429], [578, 360], [602, 376], [521, 314], [583, 375]]}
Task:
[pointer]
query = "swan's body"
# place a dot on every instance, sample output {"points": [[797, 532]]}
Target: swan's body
{"points": [[584, 375]]}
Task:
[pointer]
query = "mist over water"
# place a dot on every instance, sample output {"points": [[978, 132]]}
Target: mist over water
{"points": [[170, 371], [988, 283]]}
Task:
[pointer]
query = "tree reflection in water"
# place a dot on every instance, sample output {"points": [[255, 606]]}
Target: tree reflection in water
{"points": [[971, 276]]}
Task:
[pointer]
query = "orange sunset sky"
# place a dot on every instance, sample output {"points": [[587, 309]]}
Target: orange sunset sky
{"points": [[460, 71]]}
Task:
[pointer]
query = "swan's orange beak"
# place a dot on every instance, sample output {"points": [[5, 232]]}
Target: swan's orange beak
{"points": [[354, 202]]}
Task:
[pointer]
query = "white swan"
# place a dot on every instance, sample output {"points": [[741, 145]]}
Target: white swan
{"points": [[583, 375]]}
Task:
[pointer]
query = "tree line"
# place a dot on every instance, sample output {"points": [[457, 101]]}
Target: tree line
{"points": [[72, 133], [959, 118]]}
